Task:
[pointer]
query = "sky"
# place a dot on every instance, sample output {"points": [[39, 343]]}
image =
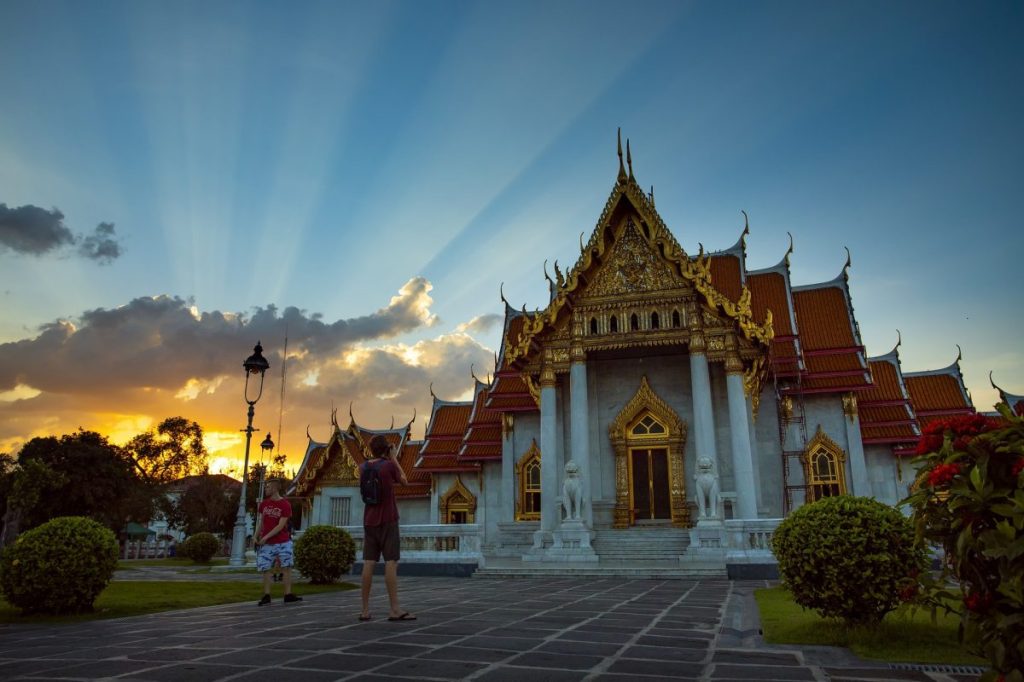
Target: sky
{"points": [[180, 180]]}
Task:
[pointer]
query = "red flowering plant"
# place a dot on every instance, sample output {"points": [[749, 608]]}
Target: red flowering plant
{"points": [[968, 500]]}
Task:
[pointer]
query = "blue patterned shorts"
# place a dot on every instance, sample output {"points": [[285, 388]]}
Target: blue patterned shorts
{"points": [[267, 554]]}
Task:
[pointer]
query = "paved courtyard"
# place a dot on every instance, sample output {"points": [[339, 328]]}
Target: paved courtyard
{"points": [[535, 630]]}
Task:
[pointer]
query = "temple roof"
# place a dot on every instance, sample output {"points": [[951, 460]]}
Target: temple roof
{"points": [[829, 338], [483, 434], [337, 459], [443, 439], [886, 413], [770, 290], [508, 391], [1015, 401], [728, 268], [938, 393]]}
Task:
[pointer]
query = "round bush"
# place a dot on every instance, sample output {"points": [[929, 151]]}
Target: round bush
{"points": [[58, 567], [847, 557], [200, 547], [324, 553]]}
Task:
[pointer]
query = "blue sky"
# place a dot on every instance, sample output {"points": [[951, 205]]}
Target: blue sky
{"points": [[323, 155]]}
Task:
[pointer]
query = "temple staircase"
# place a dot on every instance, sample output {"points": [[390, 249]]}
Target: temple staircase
{"points": [[637, 552]]}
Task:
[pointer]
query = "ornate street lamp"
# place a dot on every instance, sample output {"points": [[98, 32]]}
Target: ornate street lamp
{"points": [[254, 364], [268, 450]]}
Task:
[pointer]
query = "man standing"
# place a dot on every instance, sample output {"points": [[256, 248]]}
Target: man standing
{"points": [[274, 540], [378, 477]]}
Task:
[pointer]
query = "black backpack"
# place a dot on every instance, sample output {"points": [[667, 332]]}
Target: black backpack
{"points": [[370, 486]]}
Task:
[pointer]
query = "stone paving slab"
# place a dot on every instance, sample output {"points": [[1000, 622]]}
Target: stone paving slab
{"points": [[558, 629]]}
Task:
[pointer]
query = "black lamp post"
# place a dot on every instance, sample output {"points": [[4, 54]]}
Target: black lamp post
{"points": [[268, 450], [254, 364]]}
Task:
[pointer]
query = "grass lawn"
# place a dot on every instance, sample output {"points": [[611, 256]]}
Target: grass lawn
{"points": [[176, 562], [900, 638], [131, 598]]}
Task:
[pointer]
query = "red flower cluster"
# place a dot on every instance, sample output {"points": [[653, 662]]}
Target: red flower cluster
{"points": [[978, 601], [908, 593], [1018, 467], [963, 429], [943, 474]]}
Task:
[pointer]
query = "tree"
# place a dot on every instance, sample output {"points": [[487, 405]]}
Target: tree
{"points": [[173, 450], [79, 474], [208, 505]]}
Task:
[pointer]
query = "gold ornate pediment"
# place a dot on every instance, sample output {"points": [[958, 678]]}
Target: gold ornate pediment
{"points": [[631, 251], [645, 399], [632, 267]]}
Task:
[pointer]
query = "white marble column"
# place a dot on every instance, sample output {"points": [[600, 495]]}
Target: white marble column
{"points": [[861, 484], [742, 459], [580, 434], [753, 451], [509, 491], [703, 419], [548, 456]]}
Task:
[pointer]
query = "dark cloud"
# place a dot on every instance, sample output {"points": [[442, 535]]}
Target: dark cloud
{"points": [[156, 357], [100, 246], [161, 342], [34, 231]]}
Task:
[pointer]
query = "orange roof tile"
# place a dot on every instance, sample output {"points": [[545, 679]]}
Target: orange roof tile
{"points": [[442, 463], [725, 275], [885, 411], [823, 318], [449, 420], [935, 392]]}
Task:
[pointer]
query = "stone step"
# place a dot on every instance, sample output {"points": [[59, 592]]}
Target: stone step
{"points": [[640, 572]]}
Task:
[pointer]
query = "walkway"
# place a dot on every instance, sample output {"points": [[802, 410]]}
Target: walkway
{"points": [[538, 630]]}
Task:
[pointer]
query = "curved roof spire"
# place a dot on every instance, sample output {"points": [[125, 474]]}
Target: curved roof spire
{"points": [[392, 422], [501, 292], [849, 262], [472, 373], [582, 248], [432, 394], [629, 161], [899, 341], [622, 171], [959, 354], [413, 418], [746, 229], [789, 251]]}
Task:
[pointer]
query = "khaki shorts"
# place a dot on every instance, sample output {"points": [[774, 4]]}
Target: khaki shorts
{"points": [[378, 540]]}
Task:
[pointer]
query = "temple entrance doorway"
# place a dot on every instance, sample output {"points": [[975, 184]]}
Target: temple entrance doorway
{"points": [[649, 438], [649, 475]]}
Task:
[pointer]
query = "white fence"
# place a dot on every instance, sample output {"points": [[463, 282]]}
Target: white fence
{"points": [[751, 536]]}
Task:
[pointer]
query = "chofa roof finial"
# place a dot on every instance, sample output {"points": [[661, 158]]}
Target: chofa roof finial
{"points": [[432, 394], [629, 161], [622, 171], [501, 292], [789, 251], [546, 275], [392, 422], [899, 340], [350, 415], [959, 353], [582, 248], [472, 373], [849, 262]]}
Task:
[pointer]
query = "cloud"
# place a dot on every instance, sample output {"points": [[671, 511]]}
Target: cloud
{"points": [[481, 324], [34, 231], [159, 356], [101, 246]]}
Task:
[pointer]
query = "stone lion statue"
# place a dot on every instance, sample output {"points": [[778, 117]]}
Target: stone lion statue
{"points": [[572, 492], [708, 494]]}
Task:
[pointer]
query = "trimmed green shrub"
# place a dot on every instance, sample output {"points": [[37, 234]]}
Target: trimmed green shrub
{"points": [[200, 547], [324, 553], [58, 567], [968, 498], [847, 557]]}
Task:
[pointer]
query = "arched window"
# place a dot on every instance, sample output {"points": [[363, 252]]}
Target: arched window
{"points": [[634, 322], [675, 319], [528, 504], [458, 505], [824, 468], [655, 321], [613, 324], [593, 325], [648, 427]]}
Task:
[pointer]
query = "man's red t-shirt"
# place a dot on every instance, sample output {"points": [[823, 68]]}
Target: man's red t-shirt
{"points": [[272, 511], [387, 510]]}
